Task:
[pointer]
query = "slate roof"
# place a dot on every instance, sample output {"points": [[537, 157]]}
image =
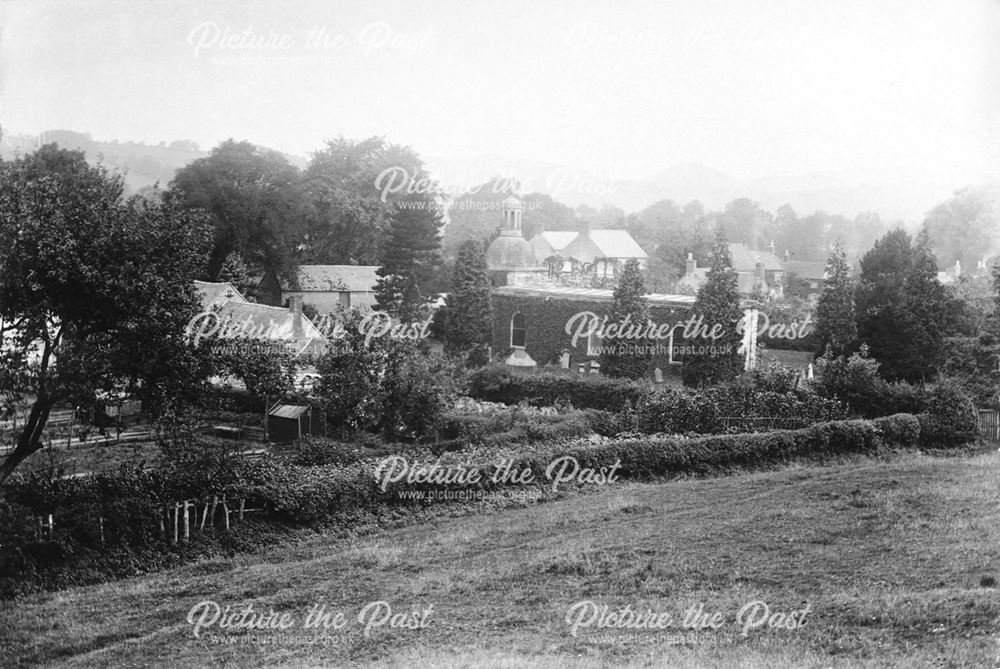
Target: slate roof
{"points": [[617, 244], [213, 294], [334, 278], [745, 260], [589, 294], [557, 240]]}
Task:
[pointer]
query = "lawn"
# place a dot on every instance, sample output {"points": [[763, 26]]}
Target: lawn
{"points": [[896, 561]]}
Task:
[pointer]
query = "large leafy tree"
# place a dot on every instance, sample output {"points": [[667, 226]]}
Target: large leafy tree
{"points": [[965, 228], [95, 292], [410, 262], [718, 303], [901, 306], [254, 198], [628, 357], [353, 187], [835, 323], [469, 322]]}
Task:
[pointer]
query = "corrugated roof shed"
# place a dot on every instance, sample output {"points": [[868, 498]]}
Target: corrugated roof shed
{"points": [[287, 410]]}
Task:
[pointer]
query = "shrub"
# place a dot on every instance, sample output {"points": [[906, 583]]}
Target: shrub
{"points": [[311, 451], [951, 418], [676, 412], [496, 383]]}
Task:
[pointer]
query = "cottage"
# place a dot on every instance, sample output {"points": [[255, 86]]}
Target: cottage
{"points": [[804, 279], [755, 271], [325, 288]]}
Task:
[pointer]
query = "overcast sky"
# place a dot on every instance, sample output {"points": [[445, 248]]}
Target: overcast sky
{"points": [[623, 89]]}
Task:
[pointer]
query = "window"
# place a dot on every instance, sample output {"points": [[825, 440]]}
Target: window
{"points": [[518, 335]]}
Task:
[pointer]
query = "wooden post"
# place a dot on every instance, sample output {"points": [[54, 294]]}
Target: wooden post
{"points": [[215, 502], [176, 521], [204, 517], [163, 527], [52, 526], [187, 525], [100, 521], [225, 510]]}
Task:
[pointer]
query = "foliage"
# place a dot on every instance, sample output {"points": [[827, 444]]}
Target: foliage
{"points": [[102, 283], [384, 384], [469, 323], [950, 418], [901, 307], [835, 321], [353, 187], [311, 451], [717, 304], [267, 369], [253, 196], [496, 383], [629, 306], [410, 262], [964, 228]]}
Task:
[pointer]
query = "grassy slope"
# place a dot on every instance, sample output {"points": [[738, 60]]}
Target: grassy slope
{"points": [[891, 556]]}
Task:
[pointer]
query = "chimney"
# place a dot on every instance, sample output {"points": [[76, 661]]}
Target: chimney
{"points": [[759, 270], [689, 265], [584, 228], [295, 306], [772, 247]]}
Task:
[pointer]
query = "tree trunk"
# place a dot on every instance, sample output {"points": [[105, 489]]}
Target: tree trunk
{"points": [[30, 439]]}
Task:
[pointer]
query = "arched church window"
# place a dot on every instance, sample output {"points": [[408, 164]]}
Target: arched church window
{"points": [[518, 334]]}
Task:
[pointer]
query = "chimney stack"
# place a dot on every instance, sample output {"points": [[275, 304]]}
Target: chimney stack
{"points": [[689, 265], [584, 227], [295, 306], [759, 269]]}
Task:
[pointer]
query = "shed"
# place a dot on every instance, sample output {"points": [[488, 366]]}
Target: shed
{"points": [[288, 422]]}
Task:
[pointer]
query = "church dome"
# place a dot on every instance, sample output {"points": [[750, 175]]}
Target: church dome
{"points": [[510, 252]]}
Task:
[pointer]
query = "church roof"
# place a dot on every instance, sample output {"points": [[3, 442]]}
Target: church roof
{"points": [[510, 252]]}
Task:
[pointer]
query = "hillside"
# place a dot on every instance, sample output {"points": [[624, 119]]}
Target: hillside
{"points": [[896, 561]]}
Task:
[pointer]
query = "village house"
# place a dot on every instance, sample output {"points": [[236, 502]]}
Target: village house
{"points": [[755, 271], [804, 278], [324, 288]]}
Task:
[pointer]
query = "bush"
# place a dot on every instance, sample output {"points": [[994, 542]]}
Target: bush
{"points": [[496, 383], [670, 411], [310, 451], [951, 419]]}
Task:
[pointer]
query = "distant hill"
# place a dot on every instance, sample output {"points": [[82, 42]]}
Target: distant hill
{"points": [[143, 164]]}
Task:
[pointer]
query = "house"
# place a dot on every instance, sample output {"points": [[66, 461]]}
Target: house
{"points": [[754, 270], [585, 253], [223, 307], [804, 279], [599, 252], [325, 288]]}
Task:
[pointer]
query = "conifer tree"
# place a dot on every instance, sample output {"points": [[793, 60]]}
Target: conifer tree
{"points": [[626, 356], [718, 303], [835, 325], [469, 323], [409, 261]]}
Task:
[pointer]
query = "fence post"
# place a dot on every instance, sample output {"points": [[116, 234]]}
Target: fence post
{"points": [[187, 525], [242, 504], [225, 510], [100, 521], [176, 521], [204, 517]]}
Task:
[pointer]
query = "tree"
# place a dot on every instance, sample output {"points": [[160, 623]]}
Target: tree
{"points": [[965, 227], [835, 322], [235, 271], [353, 188], [95, 291], [475, 214], [745, 221], [469, 324], [717, 304], [901, 306], [254, 198], [410, 261], [628, 357]]}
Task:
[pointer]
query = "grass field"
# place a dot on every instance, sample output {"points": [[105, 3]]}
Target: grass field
{"points": [[897, 562]]}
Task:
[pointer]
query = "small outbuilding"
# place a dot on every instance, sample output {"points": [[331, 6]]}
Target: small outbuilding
{"points": [[288, 422]]}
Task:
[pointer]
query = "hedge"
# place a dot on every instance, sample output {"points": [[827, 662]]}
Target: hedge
{"points": [[496, 383], [310, 495]]}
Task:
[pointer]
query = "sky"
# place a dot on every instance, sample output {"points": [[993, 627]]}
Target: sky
{"points": [[902, 88]]}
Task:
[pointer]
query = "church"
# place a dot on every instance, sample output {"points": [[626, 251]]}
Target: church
{"points": [[540, 285]]}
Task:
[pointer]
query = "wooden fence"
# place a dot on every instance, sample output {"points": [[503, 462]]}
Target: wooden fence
{"points": [[989, 424]]}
